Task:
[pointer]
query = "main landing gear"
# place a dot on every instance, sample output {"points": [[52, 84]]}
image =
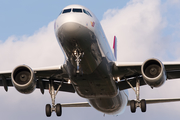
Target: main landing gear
{"points": [[137, 103], [57, 108], [134, 104]]}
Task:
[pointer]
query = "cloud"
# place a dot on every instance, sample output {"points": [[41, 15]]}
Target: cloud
{"points": [[171, 10], [174, 2], [144, 29], [139, 28], [40, 49]]}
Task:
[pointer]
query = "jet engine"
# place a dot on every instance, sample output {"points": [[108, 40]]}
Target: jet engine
{"points": [[153, 72], [23, 79]]}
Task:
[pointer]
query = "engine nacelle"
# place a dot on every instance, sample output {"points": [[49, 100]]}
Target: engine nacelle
{"points": [[153, 72], [23, 79]]}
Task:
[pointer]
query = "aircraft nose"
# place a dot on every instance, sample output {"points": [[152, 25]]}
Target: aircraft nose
{"points": [[70, 31], [70, 27]]}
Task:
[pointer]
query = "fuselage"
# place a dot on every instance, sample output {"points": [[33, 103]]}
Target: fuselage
{"points": [[79, 33]]}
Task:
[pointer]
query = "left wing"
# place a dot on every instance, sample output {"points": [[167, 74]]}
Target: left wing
{"points": [[42, 75], [131, 70], [134, 68]]}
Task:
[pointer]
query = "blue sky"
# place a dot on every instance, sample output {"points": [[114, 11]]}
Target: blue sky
{"points": [[24, 17], [144, 29]]}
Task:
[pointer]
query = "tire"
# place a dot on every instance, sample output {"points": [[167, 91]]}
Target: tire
{"points": [[143, 105], [48, 110], [133, 106], [58, 110]]}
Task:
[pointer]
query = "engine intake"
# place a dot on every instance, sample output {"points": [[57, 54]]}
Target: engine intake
{"points": [[23, 79], [153, 72]]}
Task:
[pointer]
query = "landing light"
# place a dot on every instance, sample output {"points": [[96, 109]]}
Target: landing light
{"points": [[118, 79], [69, 81]]}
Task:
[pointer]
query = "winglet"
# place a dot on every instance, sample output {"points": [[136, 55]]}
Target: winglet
{"points": [[115, 47]]}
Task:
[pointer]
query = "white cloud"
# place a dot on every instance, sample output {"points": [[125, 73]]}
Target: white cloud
{"points": [[40, 49], [174, 2], [138, 27]]}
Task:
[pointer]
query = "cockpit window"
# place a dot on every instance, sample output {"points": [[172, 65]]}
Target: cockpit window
{"points": [[60, 12], [77, 10], [66, 10], [86, 12], [89, 13]]}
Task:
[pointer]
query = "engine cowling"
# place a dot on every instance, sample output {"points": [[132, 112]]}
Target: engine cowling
{"points": [[153, 72], [23, 79]]}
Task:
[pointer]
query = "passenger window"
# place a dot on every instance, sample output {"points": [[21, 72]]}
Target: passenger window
{"points": [[77, 10], [66, 10]]}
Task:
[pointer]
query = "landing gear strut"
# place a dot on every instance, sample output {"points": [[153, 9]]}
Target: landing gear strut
{"points": [[57, 108], [137, 103], [78, 54]]}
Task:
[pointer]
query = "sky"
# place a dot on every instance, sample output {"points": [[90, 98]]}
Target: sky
{"points": [[144, 29]]}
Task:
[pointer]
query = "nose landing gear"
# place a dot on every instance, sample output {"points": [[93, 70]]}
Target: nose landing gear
{"points": [[78, 54]]}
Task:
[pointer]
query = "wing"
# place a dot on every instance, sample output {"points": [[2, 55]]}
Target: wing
{"points": [[172, 69], [148, 101], [79, 104], [42, 76], [131, 70], [154, 101]]}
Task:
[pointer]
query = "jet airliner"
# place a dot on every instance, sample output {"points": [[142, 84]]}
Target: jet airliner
{"points": [[90, 69]]}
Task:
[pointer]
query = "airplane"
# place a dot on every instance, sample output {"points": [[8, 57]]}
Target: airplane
{"points": [[90, 69]]}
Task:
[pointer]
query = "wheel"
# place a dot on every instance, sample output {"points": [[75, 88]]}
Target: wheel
{"points": [[143, 105], [48, 110], [133, 106], [58, 110]]}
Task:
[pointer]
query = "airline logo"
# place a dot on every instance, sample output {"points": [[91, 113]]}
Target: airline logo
{"points": [[92, 24]]}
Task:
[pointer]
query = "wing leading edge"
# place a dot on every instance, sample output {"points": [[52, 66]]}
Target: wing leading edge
{"points": [[133, 69], [130, 71], [43, 75]]}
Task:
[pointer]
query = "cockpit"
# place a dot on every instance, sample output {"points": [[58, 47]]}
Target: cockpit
{"points": [[76, 10]]}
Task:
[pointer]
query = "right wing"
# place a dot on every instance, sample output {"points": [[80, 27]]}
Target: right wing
{"points": [[43, 75]]}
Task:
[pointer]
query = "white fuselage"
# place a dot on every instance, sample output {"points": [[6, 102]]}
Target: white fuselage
{"points": [[80, 29]]}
